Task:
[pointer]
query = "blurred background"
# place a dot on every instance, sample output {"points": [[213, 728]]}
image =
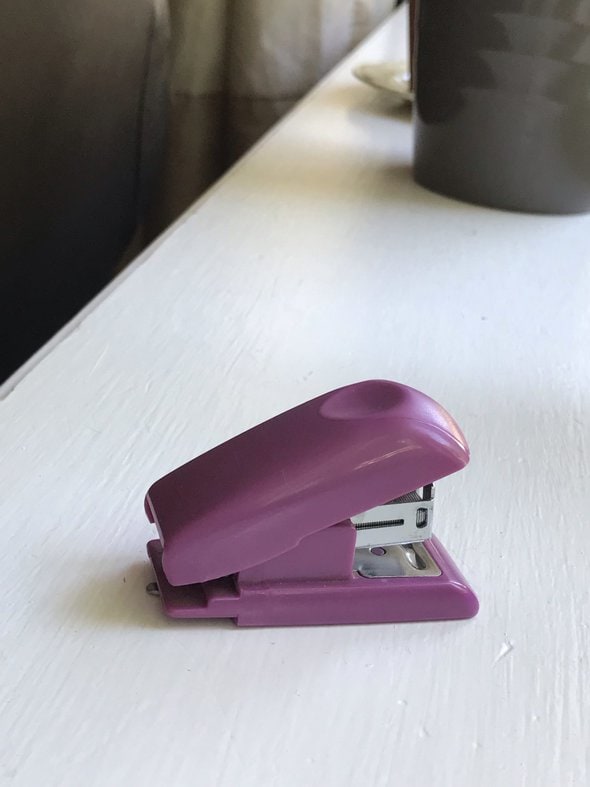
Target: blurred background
{"points": [[115, 116]]}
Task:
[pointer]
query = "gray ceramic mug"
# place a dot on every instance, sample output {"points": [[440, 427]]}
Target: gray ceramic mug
{"points": [[503, 102]]}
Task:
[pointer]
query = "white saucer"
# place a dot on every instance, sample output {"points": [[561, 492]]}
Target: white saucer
{"points": [[393, 78]]}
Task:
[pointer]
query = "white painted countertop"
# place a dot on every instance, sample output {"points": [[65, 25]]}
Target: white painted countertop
{"points": [[316, 262]]}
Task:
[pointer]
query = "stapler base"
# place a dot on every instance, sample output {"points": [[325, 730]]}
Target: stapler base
{"points": [[359, 599]]}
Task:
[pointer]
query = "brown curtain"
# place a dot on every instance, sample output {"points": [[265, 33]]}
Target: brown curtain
{"points": [[237, 66]]}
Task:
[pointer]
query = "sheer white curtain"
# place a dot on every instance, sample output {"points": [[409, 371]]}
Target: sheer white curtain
{"points": [[237, 66]]}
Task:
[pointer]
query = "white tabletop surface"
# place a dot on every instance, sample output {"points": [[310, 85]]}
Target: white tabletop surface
{"points": [[316, 262]]}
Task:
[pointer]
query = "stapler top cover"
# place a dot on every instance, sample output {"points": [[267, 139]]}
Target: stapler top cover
{"points": [[259, 494]]}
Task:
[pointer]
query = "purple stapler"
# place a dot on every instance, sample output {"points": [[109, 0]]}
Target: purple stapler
{"points": [[321, 515]]}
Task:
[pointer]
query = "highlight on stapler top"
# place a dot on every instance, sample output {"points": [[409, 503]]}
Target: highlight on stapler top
{"points": [[323, 514]]}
